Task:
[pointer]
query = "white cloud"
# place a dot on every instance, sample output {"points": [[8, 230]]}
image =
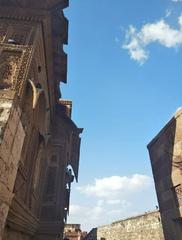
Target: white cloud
{"points": [[176, 1], [115, 212], [180, 20], [87, 215], [110, 199], [75, 209], [114, 186], [114, 201], [159, 32], [97, 214], [97, 211], [168, 13]]}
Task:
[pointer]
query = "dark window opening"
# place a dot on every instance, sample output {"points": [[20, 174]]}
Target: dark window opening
{"points": [[39, 69]]}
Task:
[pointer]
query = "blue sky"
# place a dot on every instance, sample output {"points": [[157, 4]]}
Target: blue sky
{"points": [[124, 77]]}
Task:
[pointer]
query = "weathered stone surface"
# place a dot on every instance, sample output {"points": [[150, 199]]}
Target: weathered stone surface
{"points": [[34, 157], [18, 142], [166, 160], [73, 232], [5, 108], [147, 226], [3, 216], [8, 165]]}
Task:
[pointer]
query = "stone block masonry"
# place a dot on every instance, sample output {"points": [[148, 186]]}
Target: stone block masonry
{"points": [[165, 152], [10, 149], [143, 227], [39, 142]]}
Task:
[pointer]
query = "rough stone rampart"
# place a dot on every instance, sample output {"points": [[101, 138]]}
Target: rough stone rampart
{"points": [[143, 227]]}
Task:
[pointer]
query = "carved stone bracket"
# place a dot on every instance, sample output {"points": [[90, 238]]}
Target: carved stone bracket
{"points": [[36, 93]]}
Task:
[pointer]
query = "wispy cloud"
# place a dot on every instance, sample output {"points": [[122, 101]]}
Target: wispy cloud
{"points": [[168, 13], [160, 32], [111, 198], [114, 186], [87, 215], [99, 213], [176, 1], [114, 202]]}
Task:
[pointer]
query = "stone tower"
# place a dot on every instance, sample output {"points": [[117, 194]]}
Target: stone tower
{"points": [[166, 160], [39, 143]]}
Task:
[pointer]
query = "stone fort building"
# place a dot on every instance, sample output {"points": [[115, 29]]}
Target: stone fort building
{"points": [[74, 232], [146, 226], [39, 143], [166, 160]]}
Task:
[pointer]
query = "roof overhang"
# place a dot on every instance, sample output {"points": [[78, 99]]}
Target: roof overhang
{"points": [[39, 4]]}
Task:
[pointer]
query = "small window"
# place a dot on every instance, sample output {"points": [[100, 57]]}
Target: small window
{"points": [[39, 69]]}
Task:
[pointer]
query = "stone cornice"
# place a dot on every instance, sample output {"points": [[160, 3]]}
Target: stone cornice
{"points": [[25, 14], [34, 4]]}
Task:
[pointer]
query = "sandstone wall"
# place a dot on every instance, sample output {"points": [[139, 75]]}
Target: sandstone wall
{"points": [[10, 149], [143, 227], [166, 160]]}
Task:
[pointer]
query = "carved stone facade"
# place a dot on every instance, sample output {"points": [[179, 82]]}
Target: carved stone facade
{"points": [[39, 143], [74, 232], [166, 160]]}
